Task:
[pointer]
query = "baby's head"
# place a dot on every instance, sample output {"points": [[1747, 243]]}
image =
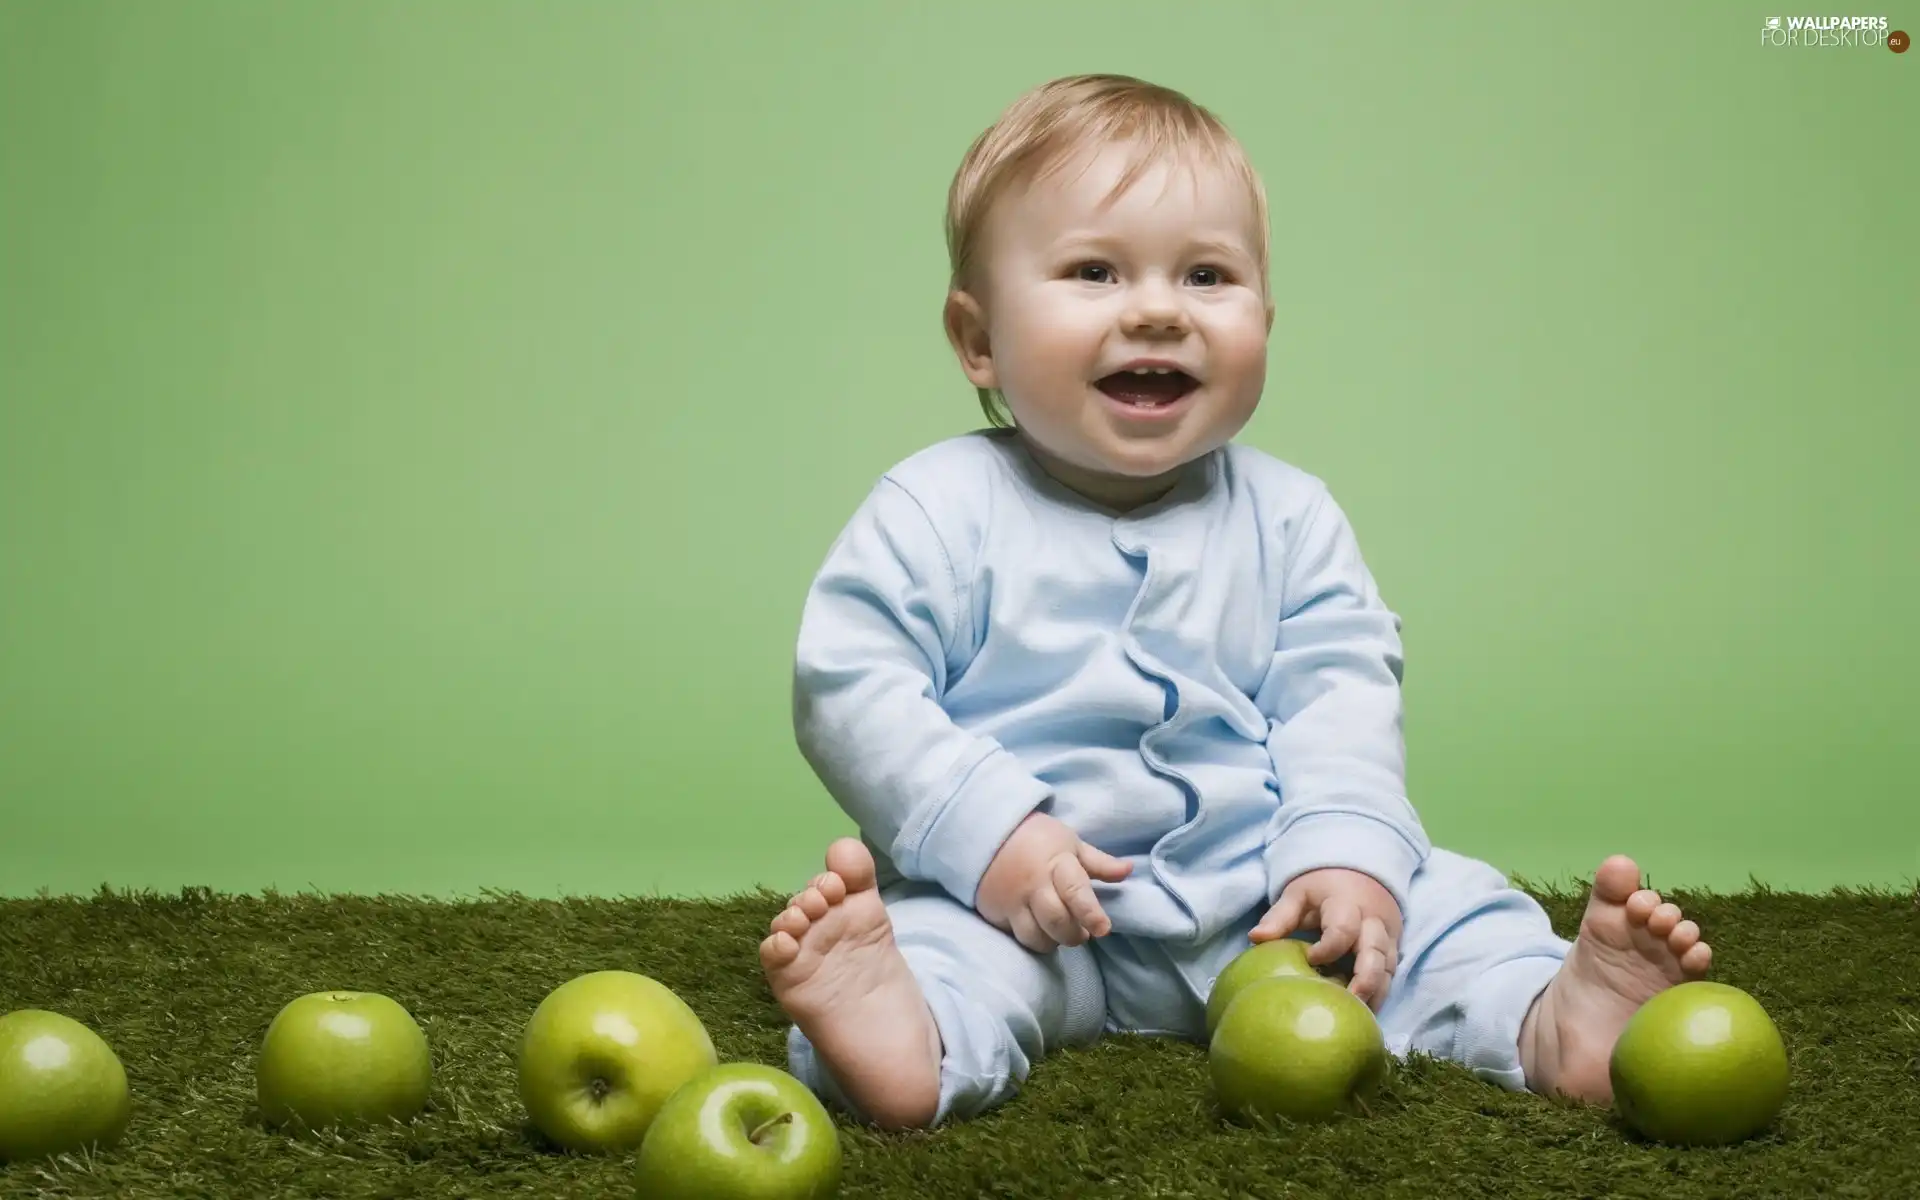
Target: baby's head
{"points": [[1100, 223]]}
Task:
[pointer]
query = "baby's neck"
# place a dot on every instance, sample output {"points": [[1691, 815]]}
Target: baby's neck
{"points": [[1119, 494]]}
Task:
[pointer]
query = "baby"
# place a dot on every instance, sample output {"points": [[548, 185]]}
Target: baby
{"points": [[1111, 697]]}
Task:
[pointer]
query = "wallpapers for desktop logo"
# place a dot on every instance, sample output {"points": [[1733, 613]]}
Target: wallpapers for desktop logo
{"points": [[1833, 33]]}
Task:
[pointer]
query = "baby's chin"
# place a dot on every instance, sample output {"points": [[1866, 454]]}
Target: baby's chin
{"points": [[1122, 456], [1155, 468]]}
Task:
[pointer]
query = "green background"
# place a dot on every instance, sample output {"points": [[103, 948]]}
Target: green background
{"points": [[419, 422]]}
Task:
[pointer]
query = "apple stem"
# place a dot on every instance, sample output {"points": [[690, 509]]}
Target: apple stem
{"points": [[784, 1118]]}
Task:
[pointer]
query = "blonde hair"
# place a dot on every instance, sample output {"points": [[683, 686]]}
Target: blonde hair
{"points": [[1045, 128]]}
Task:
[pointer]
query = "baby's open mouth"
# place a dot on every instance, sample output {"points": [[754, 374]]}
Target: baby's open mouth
{"points": [[1149, 388]]}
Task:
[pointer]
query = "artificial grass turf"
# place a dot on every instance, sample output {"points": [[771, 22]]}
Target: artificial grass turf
{"points": [[184, 986]]}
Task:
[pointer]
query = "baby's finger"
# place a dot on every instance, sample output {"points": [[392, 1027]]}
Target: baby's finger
{"points": [[1339, 931], [1101, 865], [1051, 915], [1371, 974], [1028, 933], [1282, 919], [1390, 948], [1075, 890]]}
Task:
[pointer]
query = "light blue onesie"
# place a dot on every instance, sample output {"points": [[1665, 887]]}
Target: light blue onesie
{"points": [[1208, 686]]}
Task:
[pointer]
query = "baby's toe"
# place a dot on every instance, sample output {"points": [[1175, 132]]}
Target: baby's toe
{"points": [[1641, 905], [1663, 920], [1695, 961], [792, 921], [812, 903], [778, 951], [1616, 879], [1683, 937]]}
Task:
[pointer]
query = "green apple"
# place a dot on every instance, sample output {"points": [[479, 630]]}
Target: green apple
{"points": [[62, 1088], [742, 1131], [1701, 1064], [602, 1054], [1283, 956], [1298, 1048], [343, 1060]]}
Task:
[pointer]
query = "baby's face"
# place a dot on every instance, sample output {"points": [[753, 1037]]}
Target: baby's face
{"points": [[1078, 293]]}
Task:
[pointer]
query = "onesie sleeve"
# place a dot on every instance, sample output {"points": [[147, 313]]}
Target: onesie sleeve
{"points": [[874, 657], [1332, 700]]}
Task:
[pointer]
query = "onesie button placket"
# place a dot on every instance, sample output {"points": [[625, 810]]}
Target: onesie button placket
{"points": [[1127, 540]]}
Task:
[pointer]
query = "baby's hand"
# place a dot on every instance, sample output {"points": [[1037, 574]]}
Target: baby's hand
{"points": [[1354, 913], [1039, 886]]}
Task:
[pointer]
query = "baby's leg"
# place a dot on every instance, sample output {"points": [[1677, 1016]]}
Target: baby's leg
{"points": [[1474, 955], [909, 1009], [1484, 981]]}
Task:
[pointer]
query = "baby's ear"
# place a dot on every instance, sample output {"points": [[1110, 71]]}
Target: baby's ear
{"points": [[966, 327]]}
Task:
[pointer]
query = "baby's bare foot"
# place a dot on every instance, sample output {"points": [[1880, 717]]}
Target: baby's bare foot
{"points": [[833, 966], [1630, 947]]}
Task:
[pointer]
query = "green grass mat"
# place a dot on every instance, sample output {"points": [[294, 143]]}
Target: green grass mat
{"points": [[183, 988]]}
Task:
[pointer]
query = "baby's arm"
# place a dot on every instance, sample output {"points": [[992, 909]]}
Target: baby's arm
{"points": [[1332, 700], [877, 639]]}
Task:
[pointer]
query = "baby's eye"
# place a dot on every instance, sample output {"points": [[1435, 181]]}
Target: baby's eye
{"points": [[1205, 277], [1092, 273]]}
